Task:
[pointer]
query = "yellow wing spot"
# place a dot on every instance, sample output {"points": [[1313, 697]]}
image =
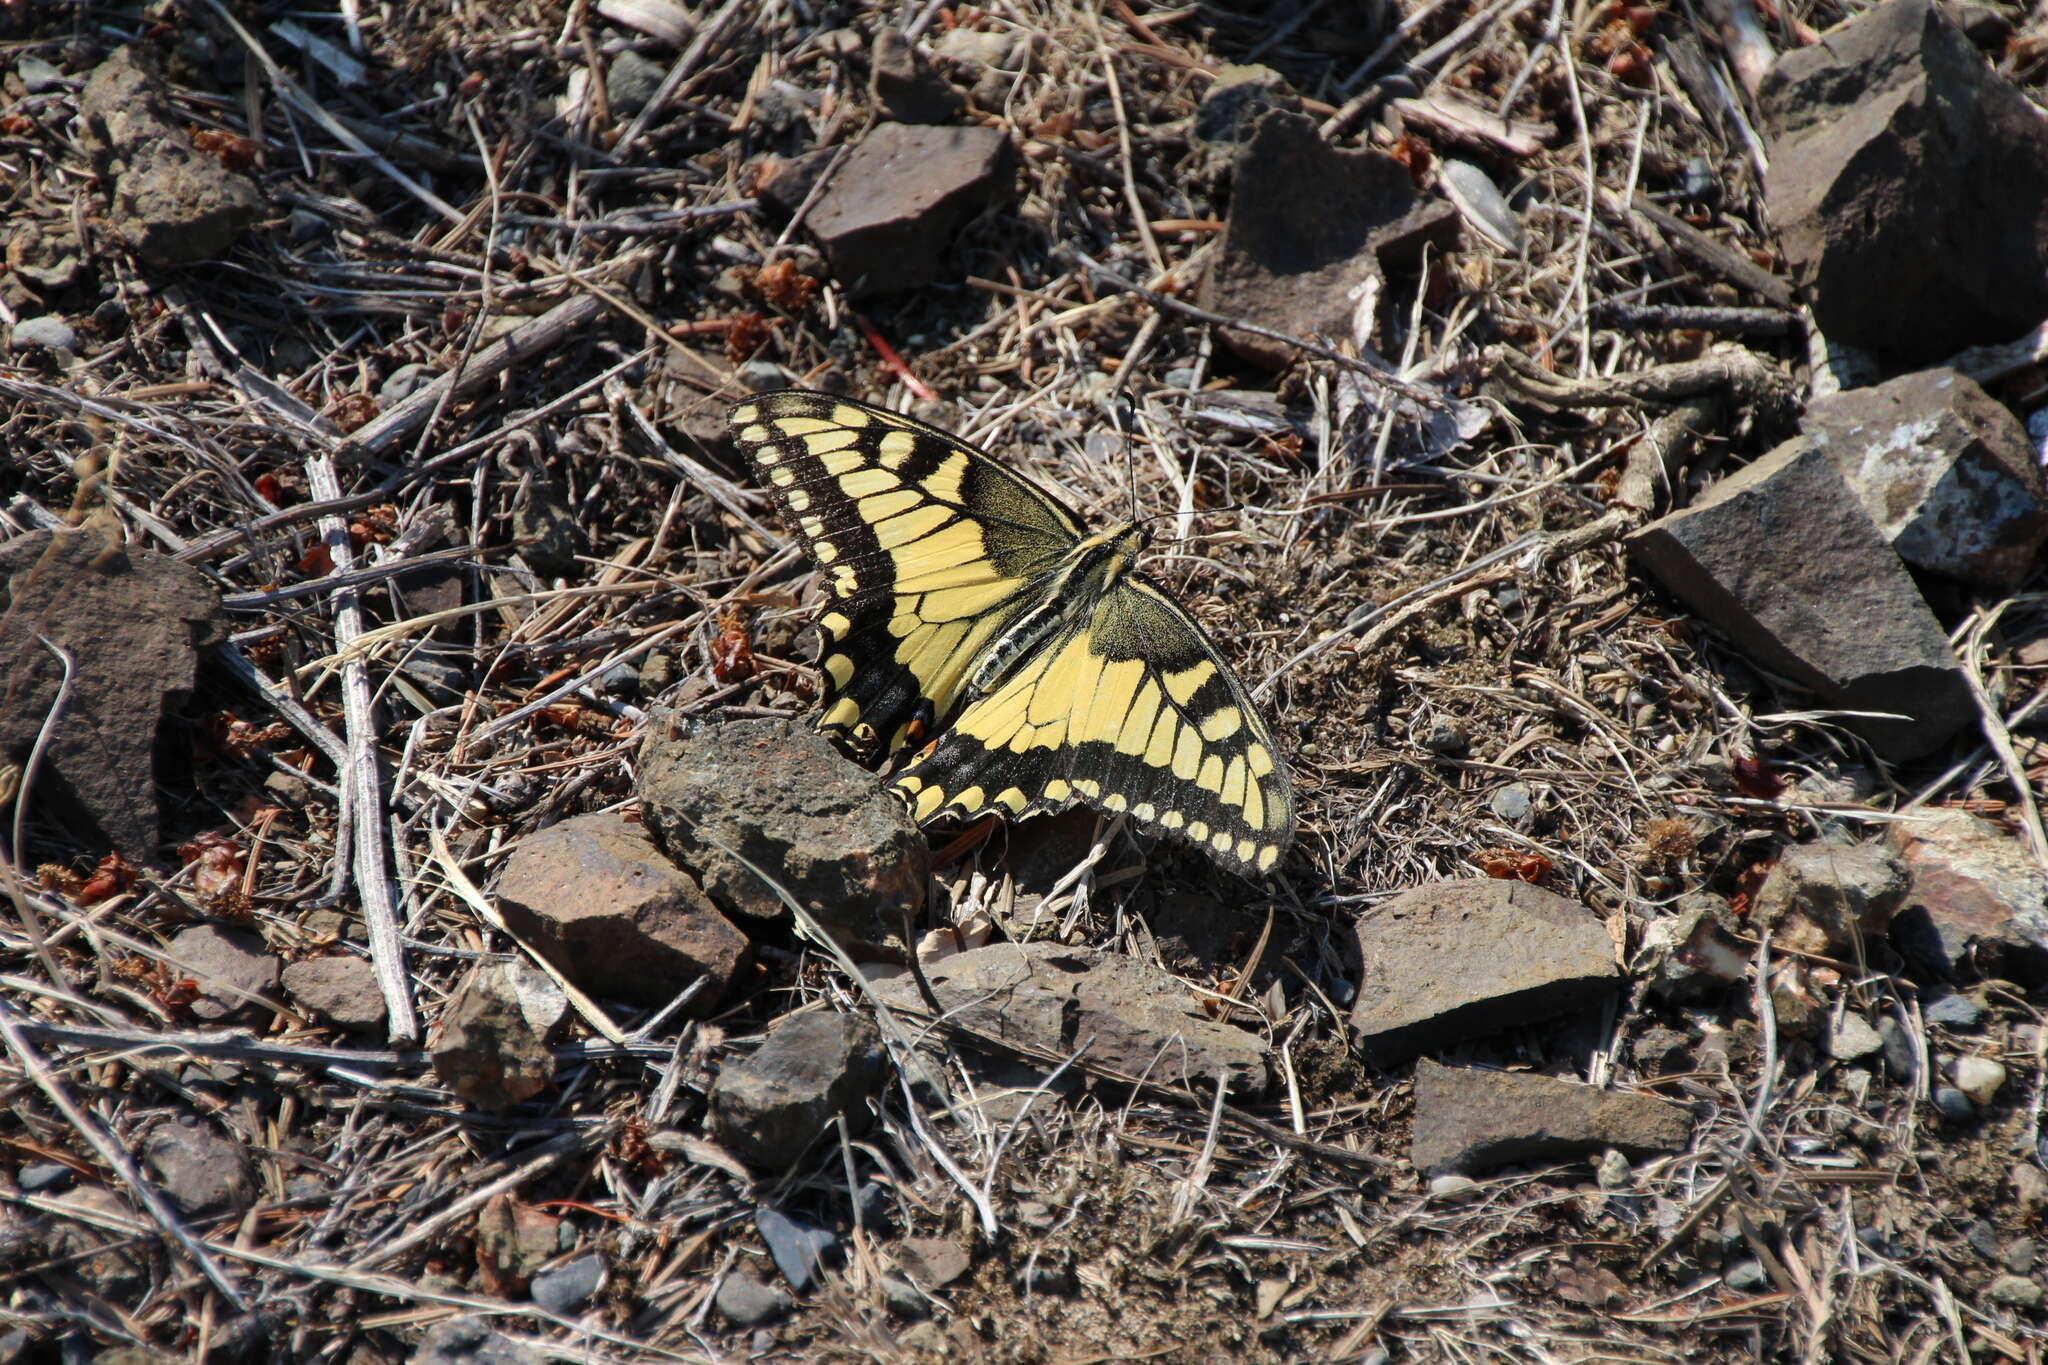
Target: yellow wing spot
{"points": [[1246, 848], [839, 668], [1058, 790], [753, 434], [846, 416], [945, 481], [1144, 813], [848, 582], [918, 523], [1198, 830], [1220, 841], [812, 526], [881, 506], [928, 800], [910, 782], [1255, 805], [826, 551], [1233, 782], [1088, 787], [1222, 723], [863, 483], [1210, 778], [1159, 750], [803, 426], [1187, 755], [1258, 760], [747, 412], [835, 624], [1268, 855], [895, 448], [781, 477], [767, 455], [842, 714], [799, 500], [839, 463], [1115, 803], [970, 801], [1137, 726], [1014, 798], [1173, 819], [1181, 686], [902, 626]]}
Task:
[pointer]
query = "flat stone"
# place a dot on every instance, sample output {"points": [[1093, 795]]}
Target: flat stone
{"points": [[513, 1241], [934, 1262], [1898, 155], [1944, 469], [1468, 1120], [134, 623], [784, 182], [1450, 961], [1977, 901], [1981, 1078], [904, 86], [630, 81], [2016, 1291], [473, 1341], [1955, 1011], [1296, 247], [889, 214], [771, 1107], [799, 1247], [491, 1044], [342, 991], [566, 1288], [231, 966], [113, 1264], [1831, 898], [202, 1173], [620, 919], [174, 204], [747, 1302], [1049, 998], [778, 794], [1853, 1038], [43, 334], [1782, 557]]}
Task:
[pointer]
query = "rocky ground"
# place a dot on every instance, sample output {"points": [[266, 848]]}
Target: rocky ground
{"points": [[1608, 436]]}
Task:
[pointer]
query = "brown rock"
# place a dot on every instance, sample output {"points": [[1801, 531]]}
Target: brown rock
{"points": [[1782, 556], [1467, 1120], [202, 1173], [1977, 900], [513, 1241], [934, 1262], [812, 1068], [1049, 998], [1456, 960], [903, 85], [114, 1264], [778, 794], [1297, 245], [237, 975], [342, 991], [1944, 469], [491, 1045], [619, 919], [1831, 898], [887, 217], [134, 623]]}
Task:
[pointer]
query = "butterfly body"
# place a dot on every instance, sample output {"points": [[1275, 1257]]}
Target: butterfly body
{"points": [[1017, 661]]}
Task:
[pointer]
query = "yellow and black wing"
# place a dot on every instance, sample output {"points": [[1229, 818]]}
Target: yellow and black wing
{"points": [[1130, 709], [929, 546]]}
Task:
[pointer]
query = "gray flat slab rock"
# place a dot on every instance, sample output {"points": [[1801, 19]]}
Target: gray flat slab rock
{"points": [[1457, 960], [1782, 557], [1468, 1120]]}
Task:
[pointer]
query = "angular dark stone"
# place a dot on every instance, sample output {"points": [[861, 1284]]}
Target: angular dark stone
{"points": [[892, 209], [1782, 556], [1977, 899], [1467, 1120], [1909, 186], [1297, 246], [566, 1288], [134, 623], [1831, 898], [202, 1173], [1944, 469], [619, 919], [748, 1302], [799, 1247], [903, 85], [778, 794], [771, 1107], [491, 1045], [342, 991], [1455, 960], [230, 965]]}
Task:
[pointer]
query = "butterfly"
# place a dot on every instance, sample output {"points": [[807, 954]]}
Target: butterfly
{"points": [[1020, 661]]}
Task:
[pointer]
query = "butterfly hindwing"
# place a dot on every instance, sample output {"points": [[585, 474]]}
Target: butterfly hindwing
{"points": [[1130, 710], [929, 547]]}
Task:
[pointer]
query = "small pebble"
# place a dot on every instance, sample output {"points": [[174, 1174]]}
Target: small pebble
{"points": [[1955, 1011], [405, 381], [1901, 1056], [43, 1177], [1954, 1105], [38, 77], [1983, 1239], [1980, 1078], [759, 376], [1513, 803], [567, 1288], [1447, 741], [2029, 1186], [747, 1302], [1613, 1172], [1745, 1277], [2020, 1254], [1854, 1038], [2016, 1291], [304, 226], [1451, 1188], [44, 334]]}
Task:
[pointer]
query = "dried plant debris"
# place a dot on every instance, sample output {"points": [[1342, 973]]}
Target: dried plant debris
{"points": [[1604, 443]]}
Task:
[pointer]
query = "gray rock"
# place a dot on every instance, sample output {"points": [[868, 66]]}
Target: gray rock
{"points": [[933, 1262], [342, 991], [1944, 469], [2019, 1255], [1983, 1238], [799, 1247], [44, 1177], [1480, 202], [1513, 804], [903, 85], [887, 217], [235, 972], [1297, 243], [1237, 101], [1953, 1104], [1746, 1277], [1456, 960], [620, 919], [2029, 1187], [1898, 154], [403, 383], [1955, 1011], [473, 1341], [784, 182], [1782, 556], [203, 1174], [1981, 1078], [2016, 1291], [1831, 898], [566, 1288], [630, 82], [491, 1045], [1977, 901], [1048, 998], [38, 77], [1693, 952], [771, 1107], [544, 527], [1467, 1120], [747, 1302], [1853, 1039], [1901, 1054], [778, 794], [134, 623], [43, 334], [111, 1263]]}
